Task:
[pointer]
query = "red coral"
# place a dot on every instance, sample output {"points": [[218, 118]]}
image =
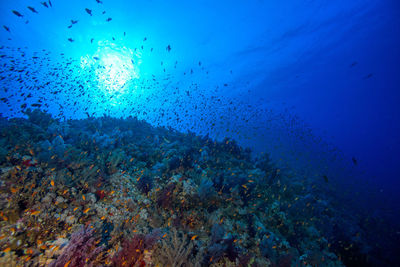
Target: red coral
{"points": [[132, 252], [100, 194]]}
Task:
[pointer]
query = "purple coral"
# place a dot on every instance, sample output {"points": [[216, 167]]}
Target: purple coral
{"points": [[80, 251]]}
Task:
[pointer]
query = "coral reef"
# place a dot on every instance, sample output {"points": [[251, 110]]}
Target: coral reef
{"points": [[114, 192]]}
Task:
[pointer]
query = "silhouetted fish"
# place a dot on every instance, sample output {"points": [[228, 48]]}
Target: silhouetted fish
{"points": [[44, 4], [353, 64], [368, 76], [70, 39], [50, 3], [88, 11], [6, 28], [74, 21], [109, 19], [33, 9], [91, 40], [17, 13], [354, 160], [168, 48], [98, 1]]}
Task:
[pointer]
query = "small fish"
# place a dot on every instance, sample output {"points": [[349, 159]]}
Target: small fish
{"points": [[88, 11], [71, 40], [99, 2], [86, 210], [70, 26], [52, 182], [74, 21], [168, 48], [44, 4], [353, 64], [35, 212], [7, 250], [193, 237], [17, 13], [33, 9], [68, 262], [91, 40], [369, 75], [50, 3], [354, 161], [104, 12], [109, 19], [96, 58], [325, 178], [6, 28]]}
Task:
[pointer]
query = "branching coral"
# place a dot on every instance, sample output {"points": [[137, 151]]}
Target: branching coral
{"points": [[81, 250], [175, 251]]}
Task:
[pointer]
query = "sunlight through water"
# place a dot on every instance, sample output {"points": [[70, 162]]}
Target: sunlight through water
{"points": [[115, 67]]}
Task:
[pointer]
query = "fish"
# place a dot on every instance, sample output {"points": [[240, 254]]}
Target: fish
{"points": [[354, 161], [353, 64], [369, 75], [88, 11], [91, 40], [68, 262], [32, 9], [70, 26], [44, 4], [104, 12], [71, 40], [99, 2], [17, 13], [96, 58], [74, 21], [50, 3], [325, 178], [109, 19], [168, 48], [6, 28]]}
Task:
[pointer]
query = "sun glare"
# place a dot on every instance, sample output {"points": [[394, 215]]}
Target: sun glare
{"points": [[115, 67]]}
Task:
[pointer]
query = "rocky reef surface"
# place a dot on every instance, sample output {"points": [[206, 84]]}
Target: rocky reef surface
{"points": [[119, 192]]}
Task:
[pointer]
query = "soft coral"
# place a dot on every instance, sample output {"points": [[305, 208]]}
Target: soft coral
{"points": [[133, 250]]}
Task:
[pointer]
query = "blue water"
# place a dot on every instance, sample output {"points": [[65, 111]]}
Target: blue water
{"points": [[314, 83]]}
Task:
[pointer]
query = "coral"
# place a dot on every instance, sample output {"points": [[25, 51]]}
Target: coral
{"points": [[145, 183], [80, 251], [205, 189], [133, 250], [175, 250], [165, 196]]}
